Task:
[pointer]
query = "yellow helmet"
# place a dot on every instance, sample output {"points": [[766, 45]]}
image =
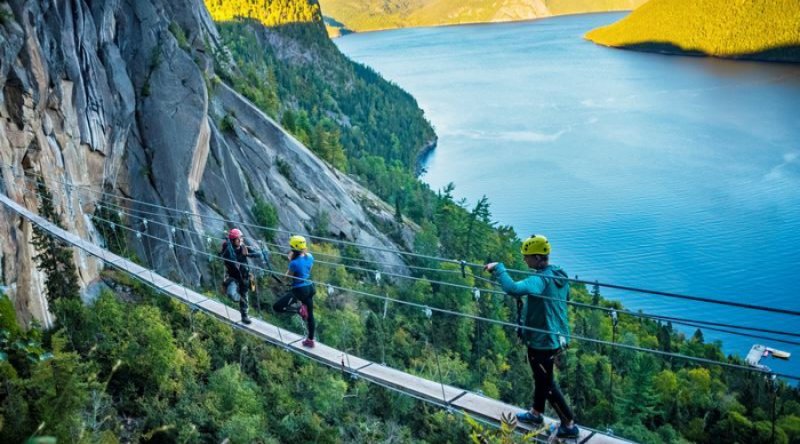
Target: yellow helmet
{"points": [[297, 243], [536, 244]]}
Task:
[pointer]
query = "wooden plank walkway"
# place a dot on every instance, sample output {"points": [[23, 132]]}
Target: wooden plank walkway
{"points": [[453, 397]]}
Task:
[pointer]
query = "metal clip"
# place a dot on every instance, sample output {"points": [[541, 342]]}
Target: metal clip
{"points": [[144, 222], [428, 312], [463, 264], [378, 277], [330, 290], [476, 294]]}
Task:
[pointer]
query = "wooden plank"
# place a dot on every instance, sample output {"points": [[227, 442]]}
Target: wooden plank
{"points": [[419, 386], [487, 408], [221, 310]]}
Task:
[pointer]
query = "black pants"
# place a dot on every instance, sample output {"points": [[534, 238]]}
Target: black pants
{"points": [[303, 294], [241, 287], [545, 388]]}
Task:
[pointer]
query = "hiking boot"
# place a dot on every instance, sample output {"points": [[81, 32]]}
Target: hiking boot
{"points": [[529, 418], [308, 343], [303, 312], [567, 432], [246, 319]]}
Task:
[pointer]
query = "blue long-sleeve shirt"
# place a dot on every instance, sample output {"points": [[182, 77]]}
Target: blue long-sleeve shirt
{"points": [[549, 313], [300, 267]]}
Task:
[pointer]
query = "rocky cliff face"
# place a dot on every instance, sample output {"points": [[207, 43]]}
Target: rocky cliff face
{"points": [[118, 96]]}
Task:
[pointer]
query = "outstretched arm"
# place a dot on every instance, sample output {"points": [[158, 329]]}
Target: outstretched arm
{"points": [[531, 285]]}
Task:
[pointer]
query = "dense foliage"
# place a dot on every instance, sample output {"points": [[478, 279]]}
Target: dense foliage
{"points": [[766, 30], [370, 15], [151, 370], [343, 111]]}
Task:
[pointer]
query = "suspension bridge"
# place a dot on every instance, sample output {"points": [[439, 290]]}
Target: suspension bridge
{"points": [[434, 392], [446, 396]]}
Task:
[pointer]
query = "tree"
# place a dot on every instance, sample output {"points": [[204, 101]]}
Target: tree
{"points": [[55, 260], [265, 215]]}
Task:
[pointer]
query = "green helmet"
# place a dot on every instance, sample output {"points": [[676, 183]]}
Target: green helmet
{"points": [[536, 244]]}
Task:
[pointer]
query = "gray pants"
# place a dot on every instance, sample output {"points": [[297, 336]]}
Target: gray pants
{"points": [[237, 291]]}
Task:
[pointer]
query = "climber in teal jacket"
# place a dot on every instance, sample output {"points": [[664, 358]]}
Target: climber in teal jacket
{"points": [[544, 328]]}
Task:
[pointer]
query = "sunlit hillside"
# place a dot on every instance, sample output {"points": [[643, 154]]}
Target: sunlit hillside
{"points": [[757, 29], [369, 15], [268, 12]]}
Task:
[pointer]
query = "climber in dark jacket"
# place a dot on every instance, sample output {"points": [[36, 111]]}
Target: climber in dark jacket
{"points": [[544, 313], [234, 253]]}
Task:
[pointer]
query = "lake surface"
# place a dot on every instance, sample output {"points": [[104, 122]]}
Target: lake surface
{"points": [[678, 174]]}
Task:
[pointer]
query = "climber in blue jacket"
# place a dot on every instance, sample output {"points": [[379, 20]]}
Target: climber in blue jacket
{"points": [[544, 328]]}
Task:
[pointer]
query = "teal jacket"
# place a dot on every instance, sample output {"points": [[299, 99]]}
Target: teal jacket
{"points": [[548, 313]]}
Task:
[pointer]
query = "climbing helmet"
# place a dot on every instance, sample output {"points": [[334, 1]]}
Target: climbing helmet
{"points": [[536, 244], [297, 243]]}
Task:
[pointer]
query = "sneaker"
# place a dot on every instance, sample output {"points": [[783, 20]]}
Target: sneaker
{"points": [[567, 432], [303, 312], [308, 343], [246, 319], [529, 418]]}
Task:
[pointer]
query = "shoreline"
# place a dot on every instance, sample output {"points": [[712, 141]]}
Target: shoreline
{"points": [[670, 49], [423, 155], [347, 31]]}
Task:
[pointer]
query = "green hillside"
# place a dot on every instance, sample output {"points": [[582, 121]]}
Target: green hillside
{"points": [[766, 30], [344, 111], [370, 15], [268, 12]]}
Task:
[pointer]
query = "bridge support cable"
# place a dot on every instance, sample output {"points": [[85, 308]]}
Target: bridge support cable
{"points": [[429, 314], [507, 324], [498, 322], [183, 213], [691, 323], [708, 325]]}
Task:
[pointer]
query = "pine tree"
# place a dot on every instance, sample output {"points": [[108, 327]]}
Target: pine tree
{"points": [[54, 258]]}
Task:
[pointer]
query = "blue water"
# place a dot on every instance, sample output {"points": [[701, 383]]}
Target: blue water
{"points": [[679, 174]]}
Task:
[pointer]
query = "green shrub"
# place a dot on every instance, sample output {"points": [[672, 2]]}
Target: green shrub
{"points": [[265, 215]]}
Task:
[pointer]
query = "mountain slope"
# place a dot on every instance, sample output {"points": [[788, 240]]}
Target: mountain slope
{"points": [[764, 30], [123, 97], [373, 15]]}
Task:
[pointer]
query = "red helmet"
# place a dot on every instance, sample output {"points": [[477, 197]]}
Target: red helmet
{"points": [[234, 234]]}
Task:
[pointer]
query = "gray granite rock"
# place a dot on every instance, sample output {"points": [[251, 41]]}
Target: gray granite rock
{"points": [[102, 95]]}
